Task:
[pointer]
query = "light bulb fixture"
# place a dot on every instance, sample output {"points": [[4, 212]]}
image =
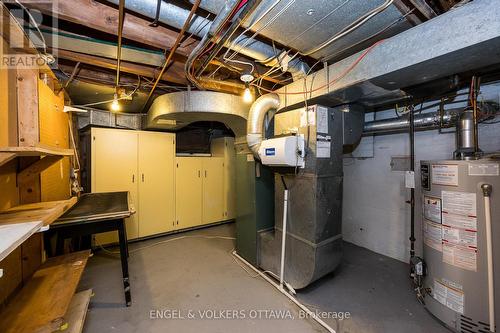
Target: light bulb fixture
{"points": [[247, 94], [247, 77], [115, 106]]}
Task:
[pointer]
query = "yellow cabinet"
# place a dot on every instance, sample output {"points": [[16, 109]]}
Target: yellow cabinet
{"points": [[224, 147], [114, 168], [213, 189], [188, 192], [143, 164], [156, 183]]}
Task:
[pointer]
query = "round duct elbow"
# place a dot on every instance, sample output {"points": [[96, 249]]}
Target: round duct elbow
{"points": [[256, 117]]}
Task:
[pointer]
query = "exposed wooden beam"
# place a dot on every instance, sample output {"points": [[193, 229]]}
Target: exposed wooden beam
{"points": [[424, 8], [225, 86], [175, 73], [88, 73], [104, 18]]}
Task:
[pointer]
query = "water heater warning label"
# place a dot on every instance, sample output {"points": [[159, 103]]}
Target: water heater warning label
{"points": [[433, 235], [487, 169], [432, 209], [460, 256], [460, 203], [445, 174], [460, 236], [460, 221], [450, 297]]}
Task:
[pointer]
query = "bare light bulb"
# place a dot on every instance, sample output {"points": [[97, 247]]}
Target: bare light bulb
{"points": [[115, 106], [247, 96]]}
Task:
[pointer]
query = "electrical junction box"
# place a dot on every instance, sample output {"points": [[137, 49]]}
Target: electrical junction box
{"points": [[286, 151]]}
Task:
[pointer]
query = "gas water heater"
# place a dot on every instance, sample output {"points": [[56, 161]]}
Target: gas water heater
{"points": [[461, 234]]}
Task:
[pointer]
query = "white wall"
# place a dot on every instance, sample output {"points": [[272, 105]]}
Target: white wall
{"points": [[375, 215]]}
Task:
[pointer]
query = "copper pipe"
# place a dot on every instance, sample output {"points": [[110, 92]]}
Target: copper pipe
{"points": [[121, 14], [172, 51]]}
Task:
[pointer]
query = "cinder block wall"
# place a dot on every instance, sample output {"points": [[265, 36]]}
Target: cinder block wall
{"points": [[375, 215]]}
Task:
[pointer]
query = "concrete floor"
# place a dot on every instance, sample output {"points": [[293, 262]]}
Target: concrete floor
{"points": [[198, 276]]}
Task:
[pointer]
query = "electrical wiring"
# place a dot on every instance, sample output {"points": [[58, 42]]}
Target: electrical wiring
{"points": [[319, 21], [163, 242], [290, 296], [77, 167], [380, 32], [341, 76], [246, 6], [201, 49], [146, 85], [33, 21], [196, 31], [355, 25], [249, 39]]}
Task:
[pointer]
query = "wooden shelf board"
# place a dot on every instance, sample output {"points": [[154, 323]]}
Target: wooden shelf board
{"points": [[44, 301], [9, 153], [39, 150], [45, 212], [77, 311], [14, 235]]}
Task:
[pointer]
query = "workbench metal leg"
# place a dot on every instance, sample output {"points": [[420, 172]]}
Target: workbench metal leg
{"points": [[124, 259]]}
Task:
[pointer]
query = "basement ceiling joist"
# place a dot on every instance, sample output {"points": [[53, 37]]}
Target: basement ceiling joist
{"points": [[99, 48], [104, 18], [176, 73]]}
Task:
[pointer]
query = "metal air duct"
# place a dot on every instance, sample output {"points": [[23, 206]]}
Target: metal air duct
{"points": [[176, 110], [256, 117], [428, 120], [175, 16]]}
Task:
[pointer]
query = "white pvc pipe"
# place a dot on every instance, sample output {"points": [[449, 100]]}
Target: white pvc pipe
{"points": [[283, 238], [283, 291], [489, 251]]}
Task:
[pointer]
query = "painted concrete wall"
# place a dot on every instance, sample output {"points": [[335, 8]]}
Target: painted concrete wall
{"points": [[375, 215]]}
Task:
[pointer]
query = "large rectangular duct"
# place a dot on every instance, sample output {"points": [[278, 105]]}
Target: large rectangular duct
{"points": [[454, 42]]}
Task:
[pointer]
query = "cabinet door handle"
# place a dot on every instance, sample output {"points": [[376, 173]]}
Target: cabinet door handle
{"points": [[205, 173], [143, 178], [133, 178], [199, 174]]}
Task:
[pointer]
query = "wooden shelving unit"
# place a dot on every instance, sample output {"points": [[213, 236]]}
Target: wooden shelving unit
{"points": [[44, 304], [46, 212], [20, 222], [77, 311], [49, 155]]}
